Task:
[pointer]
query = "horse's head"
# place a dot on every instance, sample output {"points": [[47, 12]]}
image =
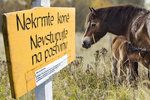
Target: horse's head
{"points": [[94, 28]]}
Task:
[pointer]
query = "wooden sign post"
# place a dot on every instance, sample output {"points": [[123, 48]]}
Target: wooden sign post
{"points": [[39, 42]]}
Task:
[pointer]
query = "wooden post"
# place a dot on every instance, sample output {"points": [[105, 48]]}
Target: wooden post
{"points": [[43, 91]]}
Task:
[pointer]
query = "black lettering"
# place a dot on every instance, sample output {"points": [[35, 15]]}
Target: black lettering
{"points": [[50, 19], [57, 37], [51, 38], [19, 23], [63, 46], [46, 54], [48, 39], [43, 20], [28, 22], [36, 58], [33, 43], [62, 18], [33, 21]]}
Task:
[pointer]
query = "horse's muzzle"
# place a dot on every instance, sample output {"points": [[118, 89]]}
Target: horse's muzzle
{"points": [[86, 44]]}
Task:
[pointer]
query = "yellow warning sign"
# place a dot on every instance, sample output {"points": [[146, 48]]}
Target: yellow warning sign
{"points": [[34, 39]]}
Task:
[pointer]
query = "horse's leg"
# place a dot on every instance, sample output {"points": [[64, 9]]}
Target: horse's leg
{"points": [[132, 74], [134, 70], [121, 71], [114, 69], [135, 67], [149, 73]]}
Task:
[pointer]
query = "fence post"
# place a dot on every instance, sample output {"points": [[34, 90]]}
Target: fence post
{"points": [[43, 91]]}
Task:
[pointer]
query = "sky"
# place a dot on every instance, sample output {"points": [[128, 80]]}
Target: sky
{"points": [[147, 1]]}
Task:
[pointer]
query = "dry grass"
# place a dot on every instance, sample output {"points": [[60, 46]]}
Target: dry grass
{"points": [[87, 78]]}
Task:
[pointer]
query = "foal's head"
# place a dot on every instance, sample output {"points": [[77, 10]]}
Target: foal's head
{"points": [[145, 58], [94, 30], [140, 55]]}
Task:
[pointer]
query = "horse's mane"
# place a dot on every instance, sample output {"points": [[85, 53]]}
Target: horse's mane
{"points": [[125, 12]]}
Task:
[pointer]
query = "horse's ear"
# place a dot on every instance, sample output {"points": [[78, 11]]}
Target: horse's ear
{"points": [[90, 9], [93, 10]]}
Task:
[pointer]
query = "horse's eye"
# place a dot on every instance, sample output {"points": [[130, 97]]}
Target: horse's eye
{"points": [[93, 24]]}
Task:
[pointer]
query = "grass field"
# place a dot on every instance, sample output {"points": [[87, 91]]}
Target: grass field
{"points": [[87, 78]]}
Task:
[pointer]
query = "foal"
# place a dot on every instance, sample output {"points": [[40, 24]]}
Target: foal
{"points": [[124, 54]]}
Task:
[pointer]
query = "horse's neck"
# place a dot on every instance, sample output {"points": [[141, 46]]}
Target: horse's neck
{"points": [[121, 25], [117, 29], [118, 33]]}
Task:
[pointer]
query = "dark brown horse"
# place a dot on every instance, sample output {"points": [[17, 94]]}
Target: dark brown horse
{"points": [[127, 20], [124, 53]]}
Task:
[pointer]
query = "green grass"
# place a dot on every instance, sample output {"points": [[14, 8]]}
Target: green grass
{"points": [[4, 81]]}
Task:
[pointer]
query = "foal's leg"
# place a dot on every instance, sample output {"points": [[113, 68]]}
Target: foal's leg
{"points": [[132, 75], [149, 73], [135, 68], [121, 71], [114, 69], [130, 72]]}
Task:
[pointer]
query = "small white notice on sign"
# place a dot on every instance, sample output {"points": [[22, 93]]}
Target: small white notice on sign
{"points": [[44, 73]]}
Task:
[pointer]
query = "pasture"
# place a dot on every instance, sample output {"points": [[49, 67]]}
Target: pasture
{"points": [[87, 78]]}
